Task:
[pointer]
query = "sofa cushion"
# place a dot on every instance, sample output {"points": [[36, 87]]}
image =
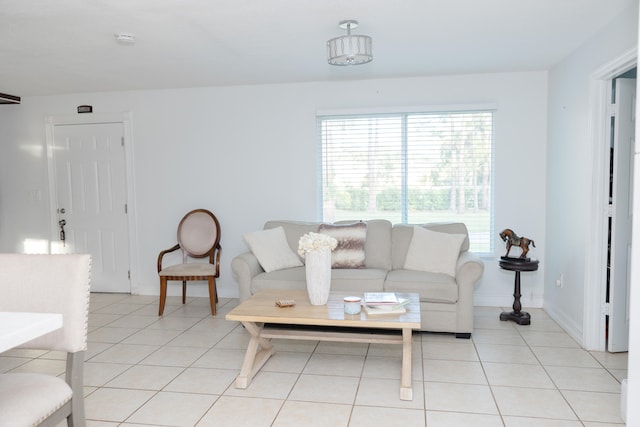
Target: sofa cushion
{"points": [[293, 230], [290, 278], [342, 280], [377, 247], [432, 287], [433, 252], [358, 280], [272, 250], [351, 240], [402, 234]]}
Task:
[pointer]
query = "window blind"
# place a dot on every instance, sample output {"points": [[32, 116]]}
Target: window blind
{"points": [[410, 168]]}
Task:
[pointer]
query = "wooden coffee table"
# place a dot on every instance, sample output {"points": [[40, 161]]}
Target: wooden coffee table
{"points": [[259, 309]]}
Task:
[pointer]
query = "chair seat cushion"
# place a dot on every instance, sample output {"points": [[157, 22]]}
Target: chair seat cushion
{"points": [[192, 269], [26, 399]]}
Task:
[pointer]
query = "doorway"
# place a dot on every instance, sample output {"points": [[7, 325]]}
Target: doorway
{"points": [[620, 216], [597, 322], [90, 194]]}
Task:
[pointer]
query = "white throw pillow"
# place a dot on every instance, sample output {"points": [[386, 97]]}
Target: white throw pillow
{"points": [[272, 250], [433, 252]]}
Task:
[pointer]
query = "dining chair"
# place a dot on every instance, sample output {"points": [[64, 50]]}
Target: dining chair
{"points": [[47, 284], [198, 237]]}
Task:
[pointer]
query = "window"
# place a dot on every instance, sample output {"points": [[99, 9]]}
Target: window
{"points": [[410, 168]]}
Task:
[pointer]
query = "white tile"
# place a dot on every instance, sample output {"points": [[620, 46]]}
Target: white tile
{"points": [[506, 354], [612, 360], [241, 412], [549, 339], [449, 351], [133, 321], [335, 364], [359, 349], [595, 407], [510, 421], [457, 419], [174, 356], [310, 414], [459, 398], [454, 371], [367, 416], [324, 388], [97, 319], [221, 358], [287, 361], [151, 337], [553, 356], [110, 335], [186, 409], [511, 374], [275, 385], [145, 377], [583, 379], [174, 323], [386, 392], [125, 353], [497, 336], [114, 404], [203, 380], [42, 366], [532, 402], [140, 368], [9, 363], [236, 339], [197, 338], [98, 374], [390, 367]]}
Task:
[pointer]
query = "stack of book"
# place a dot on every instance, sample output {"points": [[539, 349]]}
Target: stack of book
{"points": [[375, 303]]}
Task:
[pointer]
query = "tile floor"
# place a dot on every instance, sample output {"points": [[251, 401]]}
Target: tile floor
{"points": [[179, 370]]}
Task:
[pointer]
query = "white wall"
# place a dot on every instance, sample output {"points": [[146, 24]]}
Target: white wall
{"points": [[570, 190], [249, 155], [570, 169]]}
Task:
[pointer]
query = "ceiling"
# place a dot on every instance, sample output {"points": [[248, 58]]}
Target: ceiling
{"points": [[68, 46]]}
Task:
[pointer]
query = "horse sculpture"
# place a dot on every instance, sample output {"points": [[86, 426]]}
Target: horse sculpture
{"points": [[512, 239]]}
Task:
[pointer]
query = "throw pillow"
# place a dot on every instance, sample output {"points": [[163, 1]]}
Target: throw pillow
{"points": [[351, 239], [272, 250], [433, 252]]}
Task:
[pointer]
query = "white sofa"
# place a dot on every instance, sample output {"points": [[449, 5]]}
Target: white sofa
{"points": [[446, 301]]}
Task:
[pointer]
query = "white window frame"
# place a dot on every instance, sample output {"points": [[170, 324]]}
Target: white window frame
{"points": [[469, 108]]}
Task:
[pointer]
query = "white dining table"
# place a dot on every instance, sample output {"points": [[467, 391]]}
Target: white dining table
{"points": [[20, 327]]}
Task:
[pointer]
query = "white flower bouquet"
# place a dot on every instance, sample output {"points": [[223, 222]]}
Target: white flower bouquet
{"points": [[314, 241]]}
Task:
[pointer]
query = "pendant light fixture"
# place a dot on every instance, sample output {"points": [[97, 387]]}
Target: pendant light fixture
{"points": [[349, 49]]}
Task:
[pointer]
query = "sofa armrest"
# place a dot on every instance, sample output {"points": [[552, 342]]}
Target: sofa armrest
{"points": [[469, 269], [245, 267]]}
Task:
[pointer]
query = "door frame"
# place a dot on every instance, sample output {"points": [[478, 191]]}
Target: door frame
{"points": [[594, 321], [99, 118]]}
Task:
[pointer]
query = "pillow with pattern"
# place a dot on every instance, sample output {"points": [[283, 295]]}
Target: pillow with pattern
{"points": [[351, 239]]}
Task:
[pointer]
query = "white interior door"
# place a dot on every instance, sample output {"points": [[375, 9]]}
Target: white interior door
{"points": [[91, 200], [622, 214]]}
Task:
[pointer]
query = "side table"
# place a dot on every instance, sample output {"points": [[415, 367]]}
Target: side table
{"points": [[517, 265]]}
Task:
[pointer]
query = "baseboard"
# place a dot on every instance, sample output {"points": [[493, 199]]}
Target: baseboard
{"points": [[570, 327]]}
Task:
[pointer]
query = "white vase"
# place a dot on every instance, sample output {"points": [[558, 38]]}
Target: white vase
{"points": [[318, 270]]}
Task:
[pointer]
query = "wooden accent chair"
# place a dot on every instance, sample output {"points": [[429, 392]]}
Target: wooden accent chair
{"points": [[47, 284], [198, 237]]}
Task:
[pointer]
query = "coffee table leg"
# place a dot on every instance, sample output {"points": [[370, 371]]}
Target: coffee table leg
{"points": [[406, 389], [254, 359]]}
